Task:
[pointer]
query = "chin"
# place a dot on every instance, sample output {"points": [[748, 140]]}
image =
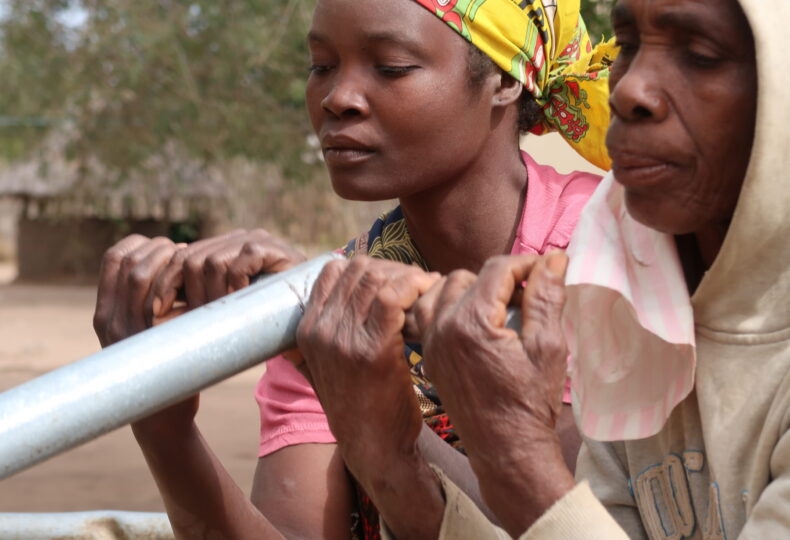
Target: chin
{"points": [[664, 217], [355, 190]]}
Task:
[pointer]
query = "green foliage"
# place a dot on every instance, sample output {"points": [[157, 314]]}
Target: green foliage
{"points": [[596, 14], [221, 79], [33, 51]]}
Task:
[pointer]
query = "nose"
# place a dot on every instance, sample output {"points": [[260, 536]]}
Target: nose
{"points": [[638, 95], [346, 96]]}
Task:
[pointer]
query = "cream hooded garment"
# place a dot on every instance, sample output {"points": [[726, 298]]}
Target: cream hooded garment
{"points": [[720, 466]]}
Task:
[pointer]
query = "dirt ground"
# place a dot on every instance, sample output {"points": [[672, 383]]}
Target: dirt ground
{"points": [[44, 327]]}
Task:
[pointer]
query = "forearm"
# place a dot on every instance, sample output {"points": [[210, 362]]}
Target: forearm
{"points": [[406, 492], [200, 497], [455, 466], [521, 482]]}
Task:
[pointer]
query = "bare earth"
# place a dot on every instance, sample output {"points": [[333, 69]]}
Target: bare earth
{"points": [[44, 327]]}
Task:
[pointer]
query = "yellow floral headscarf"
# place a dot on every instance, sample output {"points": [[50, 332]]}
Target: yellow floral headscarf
{"points": [[545, 45]]}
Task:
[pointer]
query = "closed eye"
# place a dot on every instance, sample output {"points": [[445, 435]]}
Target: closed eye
{"points": [[395, 71]]}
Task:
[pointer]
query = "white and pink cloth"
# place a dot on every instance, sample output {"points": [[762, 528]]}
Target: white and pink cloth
{"points": [[628, 375]]}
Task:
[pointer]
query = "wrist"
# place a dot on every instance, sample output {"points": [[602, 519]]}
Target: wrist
{"points": [[406, 491], [523, 479]]}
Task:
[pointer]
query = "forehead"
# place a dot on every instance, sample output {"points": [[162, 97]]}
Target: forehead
{"points": [[717, 17], [396, 20]]}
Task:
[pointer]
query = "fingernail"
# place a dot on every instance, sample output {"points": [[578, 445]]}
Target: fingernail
{"points": [[157, 305], [558, 263]]}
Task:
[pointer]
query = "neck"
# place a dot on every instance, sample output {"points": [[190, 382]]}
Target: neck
{"points": [[698, 251], [463, 222]]}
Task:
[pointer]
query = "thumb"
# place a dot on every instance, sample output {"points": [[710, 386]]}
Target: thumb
{"points": [[542, 306]]}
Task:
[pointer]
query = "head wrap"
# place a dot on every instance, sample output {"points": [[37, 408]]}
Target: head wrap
{"points": [[544, 44]]}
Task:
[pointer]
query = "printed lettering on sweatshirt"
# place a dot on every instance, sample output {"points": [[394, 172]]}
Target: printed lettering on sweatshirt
{"points": [[665, 501]]}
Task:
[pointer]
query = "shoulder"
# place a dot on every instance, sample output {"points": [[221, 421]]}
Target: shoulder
{"points": [[553, 205], [559, 186]]}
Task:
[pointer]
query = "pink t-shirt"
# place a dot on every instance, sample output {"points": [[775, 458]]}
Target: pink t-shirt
{"points": [[290, 411]]}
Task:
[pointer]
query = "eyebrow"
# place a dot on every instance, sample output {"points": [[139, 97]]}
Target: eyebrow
{"points": [[621, 15], [315, 37], [686, 21], [385, 37]]}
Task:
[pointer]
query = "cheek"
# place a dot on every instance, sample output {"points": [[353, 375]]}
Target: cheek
{"points": [[440, 122], [314, 94]]}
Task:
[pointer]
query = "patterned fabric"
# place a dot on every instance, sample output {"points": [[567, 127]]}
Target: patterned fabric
{"points": [[389, 239], [544, 44]]}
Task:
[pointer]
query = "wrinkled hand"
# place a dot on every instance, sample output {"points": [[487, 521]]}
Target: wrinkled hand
{"points": [[503, 391], [127, 273], [140, 279], [351, 342], [212, 268]]}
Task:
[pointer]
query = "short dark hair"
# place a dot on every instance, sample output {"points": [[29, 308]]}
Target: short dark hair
{"points": [[480, 66]]}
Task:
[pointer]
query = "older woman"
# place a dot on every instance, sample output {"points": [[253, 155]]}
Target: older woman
{"points": [[405, 108], [692, 224]]}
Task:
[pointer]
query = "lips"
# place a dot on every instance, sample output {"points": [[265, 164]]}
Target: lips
{"points": [[637, 168], [343, 150]]}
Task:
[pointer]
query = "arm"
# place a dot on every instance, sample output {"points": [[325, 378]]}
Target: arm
{"points": [[352, 346], [512, 441], [602, 465], [768, 518], [138, 283], [200, 497], [454, 465], [304, 490]]}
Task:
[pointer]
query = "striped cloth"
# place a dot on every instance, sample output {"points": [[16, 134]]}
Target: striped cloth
{"points": [[629, 322]]}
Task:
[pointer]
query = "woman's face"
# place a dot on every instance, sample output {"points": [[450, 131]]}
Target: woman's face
{"points": [[389, 98], [683, 98]]}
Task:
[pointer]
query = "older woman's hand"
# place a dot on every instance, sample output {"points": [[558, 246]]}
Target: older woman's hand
{"points": [[503, 391], [351, 342]]}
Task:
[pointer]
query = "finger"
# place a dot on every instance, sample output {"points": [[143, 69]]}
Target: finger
{"points": [[194, 265], [423, 312], [139, 270], [171, 314], [216, 271], [354, 292], [110, 266], [393, 303], [262, 253], [154, 262], [544, 300], [164, 290], [497, 282], [407, 286], [386, 315], [323, 286], [456, 285]]}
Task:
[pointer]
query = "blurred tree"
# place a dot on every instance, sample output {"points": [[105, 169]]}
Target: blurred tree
{"points": [[220, 79], [596, 14], [34, 83]]}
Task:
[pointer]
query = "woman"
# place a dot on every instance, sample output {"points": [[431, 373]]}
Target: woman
{"points": [[404, 107], [683, 377]]}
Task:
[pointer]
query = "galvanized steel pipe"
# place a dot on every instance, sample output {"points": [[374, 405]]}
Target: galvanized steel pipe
{"points": [[146, 372]]}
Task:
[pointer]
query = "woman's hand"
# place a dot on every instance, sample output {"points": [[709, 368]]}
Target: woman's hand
{"points": [[127, 273], [212, 268], [140, 280], [503, 391], [352, 347]]}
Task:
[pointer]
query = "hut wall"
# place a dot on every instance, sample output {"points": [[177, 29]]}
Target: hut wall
{"points": [[9, 214], [72, 248]]}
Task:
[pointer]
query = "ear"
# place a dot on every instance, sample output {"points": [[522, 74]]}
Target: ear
{"points": [[507, 91]]}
